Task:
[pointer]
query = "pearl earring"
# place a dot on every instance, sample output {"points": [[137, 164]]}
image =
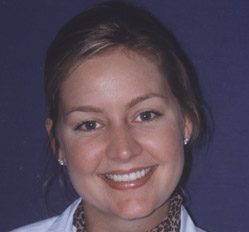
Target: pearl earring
{"points": [[61, 162], [186, 140]]}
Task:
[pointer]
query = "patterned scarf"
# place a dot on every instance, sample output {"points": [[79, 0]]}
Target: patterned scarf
{"points": [[171, 223]]}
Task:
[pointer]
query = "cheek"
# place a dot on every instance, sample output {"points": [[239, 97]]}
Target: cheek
{"points": [[82, 156], [164, 143], [83, 162]]}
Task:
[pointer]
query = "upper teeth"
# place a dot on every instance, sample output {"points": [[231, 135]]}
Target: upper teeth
{"points": [[128, 177]]}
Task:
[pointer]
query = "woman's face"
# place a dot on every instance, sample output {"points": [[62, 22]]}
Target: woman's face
{"points": [[121, 135]]}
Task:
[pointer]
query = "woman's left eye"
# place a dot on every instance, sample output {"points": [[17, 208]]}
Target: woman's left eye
{"points": [[147, 116]]}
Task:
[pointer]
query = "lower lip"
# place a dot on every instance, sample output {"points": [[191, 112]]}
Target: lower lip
{"points": [[125, 185]]}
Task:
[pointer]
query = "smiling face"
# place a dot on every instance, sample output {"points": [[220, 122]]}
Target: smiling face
{"points": [[121, 135]]}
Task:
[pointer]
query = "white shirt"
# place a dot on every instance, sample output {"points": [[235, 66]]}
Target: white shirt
{"points": [[64, 222]]}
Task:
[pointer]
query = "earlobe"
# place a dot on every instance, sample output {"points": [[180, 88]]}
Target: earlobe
{"points": [[188, 128]]}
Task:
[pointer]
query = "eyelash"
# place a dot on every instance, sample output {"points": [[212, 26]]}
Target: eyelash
{"points": [[153, 115], [90, 123], [80, 126]]}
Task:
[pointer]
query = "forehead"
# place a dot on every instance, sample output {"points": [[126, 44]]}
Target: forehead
{"points": [[144, 55], [119, 73]]}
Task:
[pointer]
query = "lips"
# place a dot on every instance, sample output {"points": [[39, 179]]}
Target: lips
{"points": [[135, 178]]}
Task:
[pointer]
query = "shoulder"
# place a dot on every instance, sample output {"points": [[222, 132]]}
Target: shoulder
{"points": [[60, 223], [37, 226], [187, 224]]}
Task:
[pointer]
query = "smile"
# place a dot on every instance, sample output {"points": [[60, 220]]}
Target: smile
{"points": [[135, 178], [128, 177]]}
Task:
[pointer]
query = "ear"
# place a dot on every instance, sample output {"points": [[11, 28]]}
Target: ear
{"points": [[52, 139], [188, 128]]}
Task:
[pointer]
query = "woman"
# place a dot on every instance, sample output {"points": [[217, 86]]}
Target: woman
{"points": [[122, 112]]}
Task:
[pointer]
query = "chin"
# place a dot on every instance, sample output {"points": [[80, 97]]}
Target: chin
{"points": [[134, 212]]}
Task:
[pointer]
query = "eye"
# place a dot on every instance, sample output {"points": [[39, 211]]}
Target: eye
{"points": [[147, 116], [87, 126]]}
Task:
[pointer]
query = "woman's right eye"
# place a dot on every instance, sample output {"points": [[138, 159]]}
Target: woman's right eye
{"points": [[87, 126]]}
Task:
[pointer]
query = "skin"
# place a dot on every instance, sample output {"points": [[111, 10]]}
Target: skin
{"points": [[135, 122]]}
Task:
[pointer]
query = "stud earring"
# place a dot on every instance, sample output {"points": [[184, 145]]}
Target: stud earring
{"points": [[186, 140], [61, 162]]}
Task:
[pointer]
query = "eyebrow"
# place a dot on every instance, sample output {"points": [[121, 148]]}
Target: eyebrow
{"points": [[139, 99], [84, 109], [131, 104]]}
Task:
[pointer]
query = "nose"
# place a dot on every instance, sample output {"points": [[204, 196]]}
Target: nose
{"points": [[123, 145]]}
